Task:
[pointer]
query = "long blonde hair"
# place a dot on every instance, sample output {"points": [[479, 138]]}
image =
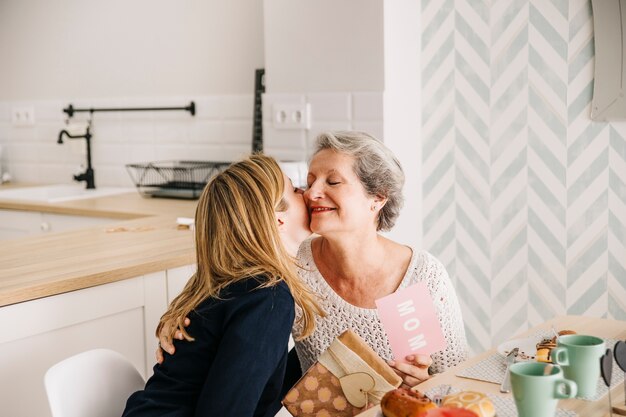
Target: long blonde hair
{"points": [[237, 238]]}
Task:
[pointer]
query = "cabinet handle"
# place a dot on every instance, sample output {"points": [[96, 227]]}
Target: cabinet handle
{"points": [[45, 226]]}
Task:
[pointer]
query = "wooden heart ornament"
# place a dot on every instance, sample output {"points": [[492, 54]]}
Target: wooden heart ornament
{"points": [[356, 386], [620, 354], [606, 366]]}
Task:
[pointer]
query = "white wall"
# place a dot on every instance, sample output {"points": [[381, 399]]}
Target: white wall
{"points": [[323, 45], [220, 131], [402, 116], [93, 49]]}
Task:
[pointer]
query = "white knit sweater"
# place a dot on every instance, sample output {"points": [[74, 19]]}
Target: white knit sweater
{"points": [[340, 315]]}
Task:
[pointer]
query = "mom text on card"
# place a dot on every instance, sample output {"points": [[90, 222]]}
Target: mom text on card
{"points": [[411, 324]]}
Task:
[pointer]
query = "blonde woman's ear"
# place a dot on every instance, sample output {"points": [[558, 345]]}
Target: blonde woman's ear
{"points": [[279, 219]]}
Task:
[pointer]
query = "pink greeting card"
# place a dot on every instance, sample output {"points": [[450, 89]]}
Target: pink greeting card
{"points": [[409, 318]]}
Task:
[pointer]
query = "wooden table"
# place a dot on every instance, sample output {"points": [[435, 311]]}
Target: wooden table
{"points": [[583, 325]]}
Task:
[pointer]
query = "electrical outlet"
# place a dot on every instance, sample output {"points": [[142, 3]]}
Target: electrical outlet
{"points": [[291, 116], [23, 116]]}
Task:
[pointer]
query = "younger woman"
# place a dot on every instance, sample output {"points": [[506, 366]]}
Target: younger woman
{"points": [[249, 223]]}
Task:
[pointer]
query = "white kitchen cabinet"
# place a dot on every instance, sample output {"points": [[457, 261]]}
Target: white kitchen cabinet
{"points": [[176, 280], [15, 223], [52, 222], [121, 316], [18, 223]]}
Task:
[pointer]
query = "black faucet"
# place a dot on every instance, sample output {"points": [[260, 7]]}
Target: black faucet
{"points": [[86, 176]]}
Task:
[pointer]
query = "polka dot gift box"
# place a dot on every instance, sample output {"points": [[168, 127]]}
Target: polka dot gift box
{"points": [[346, 379]]}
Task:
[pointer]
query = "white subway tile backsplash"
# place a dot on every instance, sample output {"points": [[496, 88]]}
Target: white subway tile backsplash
{"points": [[113, 175], [56, 173], [237, 107], [24, 172], [4, 132], [172, 132], [286, 154], [172, 152], [201, 152], [22, 134], [141, 153], [137, 131], [110, 153], [367, 106], [286, 139], [178, 115], [106, 118], [207, 131], [181, 115], [21, 152], [5, 112], [220, 131], [48, 132], [53, 153], [113, 131], [237, 132], [329, 107], [50, 111], [143, 117], [225, 153], [208, 108], [373, 128]]}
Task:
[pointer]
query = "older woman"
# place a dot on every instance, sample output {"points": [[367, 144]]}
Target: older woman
{"points": [[354, 192]]}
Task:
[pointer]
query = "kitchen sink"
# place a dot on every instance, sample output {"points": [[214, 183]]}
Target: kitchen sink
{"points": [[57, 193]]}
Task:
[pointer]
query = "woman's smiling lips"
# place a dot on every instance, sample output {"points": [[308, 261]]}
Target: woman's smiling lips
{"points": [[318, 209]]}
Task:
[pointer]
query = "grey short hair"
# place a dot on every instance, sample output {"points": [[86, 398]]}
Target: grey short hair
{"points": [[376, 167]]}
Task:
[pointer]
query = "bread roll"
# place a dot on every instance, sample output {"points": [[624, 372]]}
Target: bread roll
{"points": [[402, 402], [563, 333], [477, 402], [449, 412]]}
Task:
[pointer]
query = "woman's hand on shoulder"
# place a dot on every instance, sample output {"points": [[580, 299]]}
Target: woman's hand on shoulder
{"points": [[414, 372], [166, 338]]}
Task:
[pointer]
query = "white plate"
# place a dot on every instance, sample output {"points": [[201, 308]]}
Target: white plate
{"points": [[527, 348]]}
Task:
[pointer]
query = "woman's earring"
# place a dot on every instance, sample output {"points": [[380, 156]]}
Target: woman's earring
{"points": [[373, 208], [280, 222]]}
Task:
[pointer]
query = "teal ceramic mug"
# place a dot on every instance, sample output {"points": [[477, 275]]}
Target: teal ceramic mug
{"points": [[579, 355], [536, 394]]}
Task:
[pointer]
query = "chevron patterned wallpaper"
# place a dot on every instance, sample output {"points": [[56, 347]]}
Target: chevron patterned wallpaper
{"points": [[524, 196]]}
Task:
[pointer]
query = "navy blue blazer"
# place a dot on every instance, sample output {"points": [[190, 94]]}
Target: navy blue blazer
{"points": [[235, 366]]}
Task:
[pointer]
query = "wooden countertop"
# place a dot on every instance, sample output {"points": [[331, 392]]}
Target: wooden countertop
{"points": [[144, 240], [121, 206]]}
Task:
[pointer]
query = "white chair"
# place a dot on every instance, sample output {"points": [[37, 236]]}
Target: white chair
{"points": [[95, 383]]}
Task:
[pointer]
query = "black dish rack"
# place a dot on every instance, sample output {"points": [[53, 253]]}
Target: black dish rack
{"points": [[173, 179]]}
